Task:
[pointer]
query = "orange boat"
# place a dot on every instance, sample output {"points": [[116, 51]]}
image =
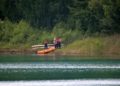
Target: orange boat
{"points": [[45, 51]]}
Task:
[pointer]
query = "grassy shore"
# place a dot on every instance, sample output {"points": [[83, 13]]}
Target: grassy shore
{"points": [[91, 46], [94, 46]]}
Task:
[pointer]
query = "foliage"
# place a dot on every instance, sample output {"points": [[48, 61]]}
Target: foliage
{"points": [[17, 33], [33, 21], [93, 16]]}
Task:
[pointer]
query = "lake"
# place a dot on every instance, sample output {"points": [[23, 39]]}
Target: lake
{"points": [[32, 70]]}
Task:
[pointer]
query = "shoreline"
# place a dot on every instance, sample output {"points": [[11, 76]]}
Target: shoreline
{"points": [[57, 53], [108, 46], [17, 51]]}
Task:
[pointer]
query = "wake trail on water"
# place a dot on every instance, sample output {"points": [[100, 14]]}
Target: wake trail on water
{"points": [[105, 82], [57, 66]]}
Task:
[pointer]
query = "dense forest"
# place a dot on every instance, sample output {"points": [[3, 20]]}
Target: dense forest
{"points": [[26, 20]]}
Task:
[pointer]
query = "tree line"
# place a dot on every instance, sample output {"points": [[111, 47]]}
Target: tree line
{"points": [[87, 16]]}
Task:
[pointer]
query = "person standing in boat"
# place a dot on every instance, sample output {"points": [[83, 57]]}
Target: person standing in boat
{"points": [[46, 44]]}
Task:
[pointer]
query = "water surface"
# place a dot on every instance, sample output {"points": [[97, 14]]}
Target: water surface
{"points": [[59, 70], [45, 71], [106, 82]]}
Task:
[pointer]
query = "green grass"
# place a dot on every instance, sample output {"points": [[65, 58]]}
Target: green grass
{"points": [[92, 46]]}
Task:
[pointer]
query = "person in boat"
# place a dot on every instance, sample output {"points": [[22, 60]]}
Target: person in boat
{"points": [[46, 44]]}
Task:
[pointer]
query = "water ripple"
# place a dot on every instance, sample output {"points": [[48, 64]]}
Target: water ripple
{"points": [[57, 66], [106, 82]]}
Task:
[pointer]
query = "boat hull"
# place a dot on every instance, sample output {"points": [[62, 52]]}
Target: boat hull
{"points": [[45, 51]]}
